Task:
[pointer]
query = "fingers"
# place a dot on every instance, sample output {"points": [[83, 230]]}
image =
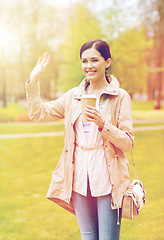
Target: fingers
{"points": [[91, 109], [44, 59], [47, 60], [92, 114], [39, 61]]}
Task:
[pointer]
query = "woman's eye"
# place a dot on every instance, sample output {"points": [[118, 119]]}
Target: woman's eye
{"points": [[95, 60], [84, 61]]}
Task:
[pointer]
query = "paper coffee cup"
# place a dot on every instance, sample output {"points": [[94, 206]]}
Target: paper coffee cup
{"points": [[87, 100]]}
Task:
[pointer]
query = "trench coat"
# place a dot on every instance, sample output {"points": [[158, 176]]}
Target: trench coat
{"points": [[117, 135]]}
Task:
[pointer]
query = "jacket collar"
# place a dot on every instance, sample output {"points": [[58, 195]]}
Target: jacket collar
{"points": [[112, 89]]}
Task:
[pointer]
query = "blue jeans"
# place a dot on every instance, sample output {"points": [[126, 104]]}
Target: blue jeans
{"points": [[96, 219]]}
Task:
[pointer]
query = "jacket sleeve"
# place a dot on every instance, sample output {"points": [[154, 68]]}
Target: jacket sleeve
{"points": [[121, 135], [43, 111]]}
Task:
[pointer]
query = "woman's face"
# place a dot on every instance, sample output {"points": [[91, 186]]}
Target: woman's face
{"points": [[93, 64]]}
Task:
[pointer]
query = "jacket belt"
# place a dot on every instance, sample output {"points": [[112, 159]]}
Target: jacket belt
{"points": [[89, 148]]}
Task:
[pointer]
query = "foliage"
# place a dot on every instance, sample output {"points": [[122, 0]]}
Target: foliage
{"points": [[82, 26], [153, 19], [33, 26], [14, 113], [26, 167], [41, 26], [129, 52]]}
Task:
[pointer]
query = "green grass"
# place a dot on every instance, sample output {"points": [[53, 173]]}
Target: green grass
{"points": [[140, 105], [143, 105], [31, 128], [26, 166], [148, 155], [145, 110], [148, 124], [149, 114], [55, 127]]}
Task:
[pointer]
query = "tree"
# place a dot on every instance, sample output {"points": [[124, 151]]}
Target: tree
{"points": [[82, 26], [129, 53], [153, 19], [3, 77], [129, 46], [35, 28]]}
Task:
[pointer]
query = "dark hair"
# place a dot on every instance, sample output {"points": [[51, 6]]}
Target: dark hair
{"points": [[101, 46]]}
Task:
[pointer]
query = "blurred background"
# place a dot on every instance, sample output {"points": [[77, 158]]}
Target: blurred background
{"points": [[30, 151], [134, 30]]}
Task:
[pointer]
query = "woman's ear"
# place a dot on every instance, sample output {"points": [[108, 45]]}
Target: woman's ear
{"points": [[108, 63]]}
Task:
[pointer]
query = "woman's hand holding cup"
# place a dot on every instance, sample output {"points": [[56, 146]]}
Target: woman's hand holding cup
{"points": [[93, 115]]}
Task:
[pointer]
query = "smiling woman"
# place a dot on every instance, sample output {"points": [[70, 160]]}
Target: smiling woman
{"points": [[94, 147]]}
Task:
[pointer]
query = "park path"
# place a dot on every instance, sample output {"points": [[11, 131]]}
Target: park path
{"points": [[54, 134]]}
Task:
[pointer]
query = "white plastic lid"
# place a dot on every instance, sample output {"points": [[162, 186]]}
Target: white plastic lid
{"points": [[88, 96]]}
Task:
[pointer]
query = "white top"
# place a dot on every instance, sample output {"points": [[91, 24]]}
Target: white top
{"points": [[87, 128], [90, 163]]}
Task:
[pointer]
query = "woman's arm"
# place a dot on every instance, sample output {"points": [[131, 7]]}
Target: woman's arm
{"points": [[43, 111], [38, 110], [121, 136]]}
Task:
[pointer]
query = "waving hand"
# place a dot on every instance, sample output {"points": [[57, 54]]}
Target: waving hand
{"points": [[39, 68]]}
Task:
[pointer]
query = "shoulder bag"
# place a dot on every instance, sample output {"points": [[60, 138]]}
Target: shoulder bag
{"points": [[134, 197]]}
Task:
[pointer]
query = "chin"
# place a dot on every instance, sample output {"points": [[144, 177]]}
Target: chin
{"points": [[91, 78]]}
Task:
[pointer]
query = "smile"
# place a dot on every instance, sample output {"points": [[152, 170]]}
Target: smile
{"points": [[90, 72]]}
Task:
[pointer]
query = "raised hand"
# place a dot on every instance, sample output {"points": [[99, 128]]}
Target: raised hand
{"points": [[39, 68]]}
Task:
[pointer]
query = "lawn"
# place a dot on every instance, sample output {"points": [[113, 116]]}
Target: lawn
{"points": [[26, 166], [31, 127]]}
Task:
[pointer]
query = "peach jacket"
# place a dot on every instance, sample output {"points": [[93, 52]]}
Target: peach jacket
{"points": [[117, 136]]}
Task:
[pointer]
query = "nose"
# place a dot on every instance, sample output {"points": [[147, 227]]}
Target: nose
{"points": [[89, 65]]}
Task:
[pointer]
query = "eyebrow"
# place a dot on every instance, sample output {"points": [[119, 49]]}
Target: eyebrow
{"points": [[91, 58]]}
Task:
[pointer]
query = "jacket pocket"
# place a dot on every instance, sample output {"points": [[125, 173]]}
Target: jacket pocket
{"points": [[59, 172]]}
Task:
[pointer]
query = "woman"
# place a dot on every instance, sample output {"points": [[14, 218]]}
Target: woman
{"points": [[93, 171]]}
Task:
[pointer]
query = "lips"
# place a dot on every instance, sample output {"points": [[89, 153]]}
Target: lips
{"points": [[91, 71]]}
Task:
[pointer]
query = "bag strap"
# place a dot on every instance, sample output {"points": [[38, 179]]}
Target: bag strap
{"points": [[113, 117], [134, 166]]}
